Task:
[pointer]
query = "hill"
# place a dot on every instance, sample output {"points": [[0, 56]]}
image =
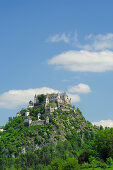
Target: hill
{"points": [[47, 130]]}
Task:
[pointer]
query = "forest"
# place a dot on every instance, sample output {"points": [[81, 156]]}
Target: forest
{"points": [[67, 142]]}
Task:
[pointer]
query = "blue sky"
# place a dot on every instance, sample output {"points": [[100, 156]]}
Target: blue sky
{"points": [[57, 45]]}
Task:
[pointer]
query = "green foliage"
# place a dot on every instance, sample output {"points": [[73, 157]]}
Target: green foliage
{"points": [[103, 143], [55, 145], [63, 116], [40, 166], [68, 105], [83, 157], [85, 165], [109, 161], [71, 164], [38, 140], [59, 164], [53, 104], [41, 98], [42, 110], [14, 122], [34, 112], [57, 137], [53, 121], [78, 110], [2, 147]]}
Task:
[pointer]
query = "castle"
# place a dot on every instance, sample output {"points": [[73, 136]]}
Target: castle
{"points": [[51, 102], [58, 98]]}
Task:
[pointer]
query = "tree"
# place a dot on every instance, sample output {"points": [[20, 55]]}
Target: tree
{"points": [[53, 104], [71, 164], [103, 143], [57, 164], [2, 147], [41, 98]]}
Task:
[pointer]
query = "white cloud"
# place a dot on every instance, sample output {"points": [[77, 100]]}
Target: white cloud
{"points": [[74, 98], [80, 88], [84, 61], [99, 42], [59, 37], [104, 123], [92, 42], [14, 98]]}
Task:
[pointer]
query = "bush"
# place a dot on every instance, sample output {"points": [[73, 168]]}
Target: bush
{"points": [[71, 164], [41, 98], [109, 161], [57, 137], [40, 166], [83, 157], [79, 111], [38, 140], [85, 165], [103, 165], [95, 162], [57, 164]]}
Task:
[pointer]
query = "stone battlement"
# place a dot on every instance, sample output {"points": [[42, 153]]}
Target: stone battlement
{"points": [[37, 122]]}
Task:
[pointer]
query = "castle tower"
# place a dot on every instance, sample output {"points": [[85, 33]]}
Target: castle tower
{"points": [[35, 98], [47, 119], [27, 113], [27, 121], [46, 101]]}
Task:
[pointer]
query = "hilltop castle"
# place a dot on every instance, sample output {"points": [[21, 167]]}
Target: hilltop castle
{"points": [[58, 98], [51, 102]]}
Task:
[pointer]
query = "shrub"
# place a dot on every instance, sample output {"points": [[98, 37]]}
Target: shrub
{"points": [[109, 161], [103, 165], [85, 165], [71, 164], [57, 164]]}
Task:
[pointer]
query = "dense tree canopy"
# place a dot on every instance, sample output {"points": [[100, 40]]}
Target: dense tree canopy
{"points": [[68, 141]]}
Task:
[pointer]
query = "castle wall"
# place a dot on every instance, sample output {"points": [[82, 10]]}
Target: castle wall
{"points": [[37, 122], [60, 98]]}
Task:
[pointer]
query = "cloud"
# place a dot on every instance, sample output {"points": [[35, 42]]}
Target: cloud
{"points": [[80, 88], [12, 99], [91, 41], [98, 42], [59, 37], [74, 97], [66, 38], [104, 123], [84, 61], [15, 98]]}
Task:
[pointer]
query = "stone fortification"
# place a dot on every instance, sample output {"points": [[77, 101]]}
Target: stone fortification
{"points": [[37, 122], [58, 98], [51, 102]]}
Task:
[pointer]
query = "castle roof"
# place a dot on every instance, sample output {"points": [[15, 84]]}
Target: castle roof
{"points": [[30, 102]]}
